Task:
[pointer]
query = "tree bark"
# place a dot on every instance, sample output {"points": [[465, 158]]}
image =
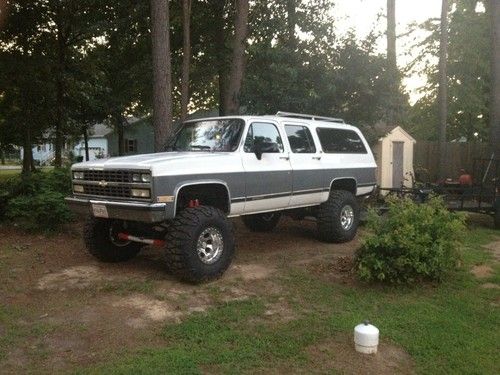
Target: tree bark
{"points": [[119, 124], [162, 77], [391, 35], [86, 142], [27, 154], [232, 99], [443, 89], [291, 22], [495, 79], [186, 57], [220, 51], [59, 121], [393, 105]]}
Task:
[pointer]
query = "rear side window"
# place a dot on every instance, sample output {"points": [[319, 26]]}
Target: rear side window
{"points": [[340, 141], [300, 139]]}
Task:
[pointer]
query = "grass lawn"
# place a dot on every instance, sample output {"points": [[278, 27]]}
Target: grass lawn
{"points": [[447, 328]]}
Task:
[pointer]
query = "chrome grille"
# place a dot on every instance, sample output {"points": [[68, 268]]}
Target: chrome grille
{"points": [[108, 191], [108, 176], [113, 183]]}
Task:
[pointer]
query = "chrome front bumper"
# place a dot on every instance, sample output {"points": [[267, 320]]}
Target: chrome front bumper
{"points": [[134, 211]]}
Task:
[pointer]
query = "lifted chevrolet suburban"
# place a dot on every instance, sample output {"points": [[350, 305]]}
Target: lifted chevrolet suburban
{"points": [[257, 167]]}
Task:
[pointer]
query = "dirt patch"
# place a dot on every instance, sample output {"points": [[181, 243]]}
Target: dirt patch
{"points": [[494, 248], [340, 269], [280, 311], [249, 272], [148, 309], [490, 286], [77, 277], [482, 271], [339, 355]]}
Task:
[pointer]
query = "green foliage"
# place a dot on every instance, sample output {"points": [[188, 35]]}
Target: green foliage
{"points": [[45, 210], [468, 74], [414, 242], [37, 201]]}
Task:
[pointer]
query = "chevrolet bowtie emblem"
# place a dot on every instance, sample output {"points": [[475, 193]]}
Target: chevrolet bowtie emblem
{"points": [[103, 183]]}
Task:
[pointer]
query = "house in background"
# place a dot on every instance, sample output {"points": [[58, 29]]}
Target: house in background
{"points": [[138, 137], [97, 141]]}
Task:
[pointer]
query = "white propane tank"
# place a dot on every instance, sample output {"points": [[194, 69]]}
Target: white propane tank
{"points": [[366, 338]]}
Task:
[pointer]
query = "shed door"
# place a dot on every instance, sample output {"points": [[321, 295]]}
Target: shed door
{"points": [[397, 164]]}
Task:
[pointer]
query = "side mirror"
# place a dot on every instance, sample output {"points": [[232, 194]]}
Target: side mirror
{"points": [[257, 149]]}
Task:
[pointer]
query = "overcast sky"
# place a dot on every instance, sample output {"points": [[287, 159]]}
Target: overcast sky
{"points": [[361, 15]]}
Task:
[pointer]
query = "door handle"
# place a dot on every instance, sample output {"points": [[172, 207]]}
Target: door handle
{"points": [[316, 157], [285, 157]]}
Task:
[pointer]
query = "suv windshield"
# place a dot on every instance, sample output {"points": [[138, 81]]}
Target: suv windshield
{"points": [[209, 135]]}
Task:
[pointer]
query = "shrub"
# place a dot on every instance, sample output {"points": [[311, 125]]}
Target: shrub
{"points": [[413, 242], [37, 201], [45, 210]]}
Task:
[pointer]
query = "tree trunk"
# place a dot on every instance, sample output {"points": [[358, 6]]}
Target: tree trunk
{"points": [[186, 57], [86, 142], [119, 124], [220, 52], [2, 155], [162, 79], [392, 67], [59, 121], [443, 89], [291, 22], [391, 35], [495, 79], [232, 100], [27, 153]]}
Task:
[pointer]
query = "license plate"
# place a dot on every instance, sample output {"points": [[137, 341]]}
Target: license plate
{"points": [[100, 210]]}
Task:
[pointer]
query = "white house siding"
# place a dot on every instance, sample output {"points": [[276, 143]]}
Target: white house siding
{"points": [[97, 147]]}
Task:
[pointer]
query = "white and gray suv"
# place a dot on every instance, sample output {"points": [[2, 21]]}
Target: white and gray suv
{"points": [[257, 167]]}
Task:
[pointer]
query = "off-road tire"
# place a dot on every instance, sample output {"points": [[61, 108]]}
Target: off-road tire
{"points": [[98, 241], [181, 244], [329, 217], [265, 222]]}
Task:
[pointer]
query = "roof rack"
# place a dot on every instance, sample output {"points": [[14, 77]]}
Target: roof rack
{"points": [[310, 117]]}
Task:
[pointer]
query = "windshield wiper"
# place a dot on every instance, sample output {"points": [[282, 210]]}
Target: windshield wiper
{"points": [[200, 147]]}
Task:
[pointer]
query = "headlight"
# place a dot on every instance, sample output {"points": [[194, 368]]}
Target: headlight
{"points": [[140, 193], [136, 177], [78, 188], [146, 177], [78, 175]]}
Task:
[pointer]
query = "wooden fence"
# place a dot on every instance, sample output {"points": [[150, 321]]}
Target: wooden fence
{"points": [[458, 156]]}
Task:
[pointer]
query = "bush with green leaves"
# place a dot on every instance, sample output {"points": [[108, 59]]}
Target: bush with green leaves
{"points": [[411, 243], [37, 201]]}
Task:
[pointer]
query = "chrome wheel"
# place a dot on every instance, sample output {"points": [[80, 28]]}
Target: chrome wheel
{"points": [[210, 245], [347, 217]]}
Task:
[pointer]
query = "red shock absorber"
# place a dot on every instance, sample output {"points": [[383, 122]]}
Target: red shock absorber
{"points": [[193, 203]]}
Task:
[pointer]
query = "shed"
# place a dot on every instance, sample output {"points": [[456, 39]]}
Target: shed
{"points": [[394, 155]]}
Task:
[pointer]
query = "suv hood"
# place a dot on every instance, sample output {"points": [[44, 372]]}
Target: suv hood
{"points": [[158, 162]]}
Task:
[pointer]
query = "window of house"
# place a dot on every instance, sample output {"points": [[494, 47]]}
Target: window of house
{"points": [[267, 135], [340, 141], [300, 139], [130, 145]]}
